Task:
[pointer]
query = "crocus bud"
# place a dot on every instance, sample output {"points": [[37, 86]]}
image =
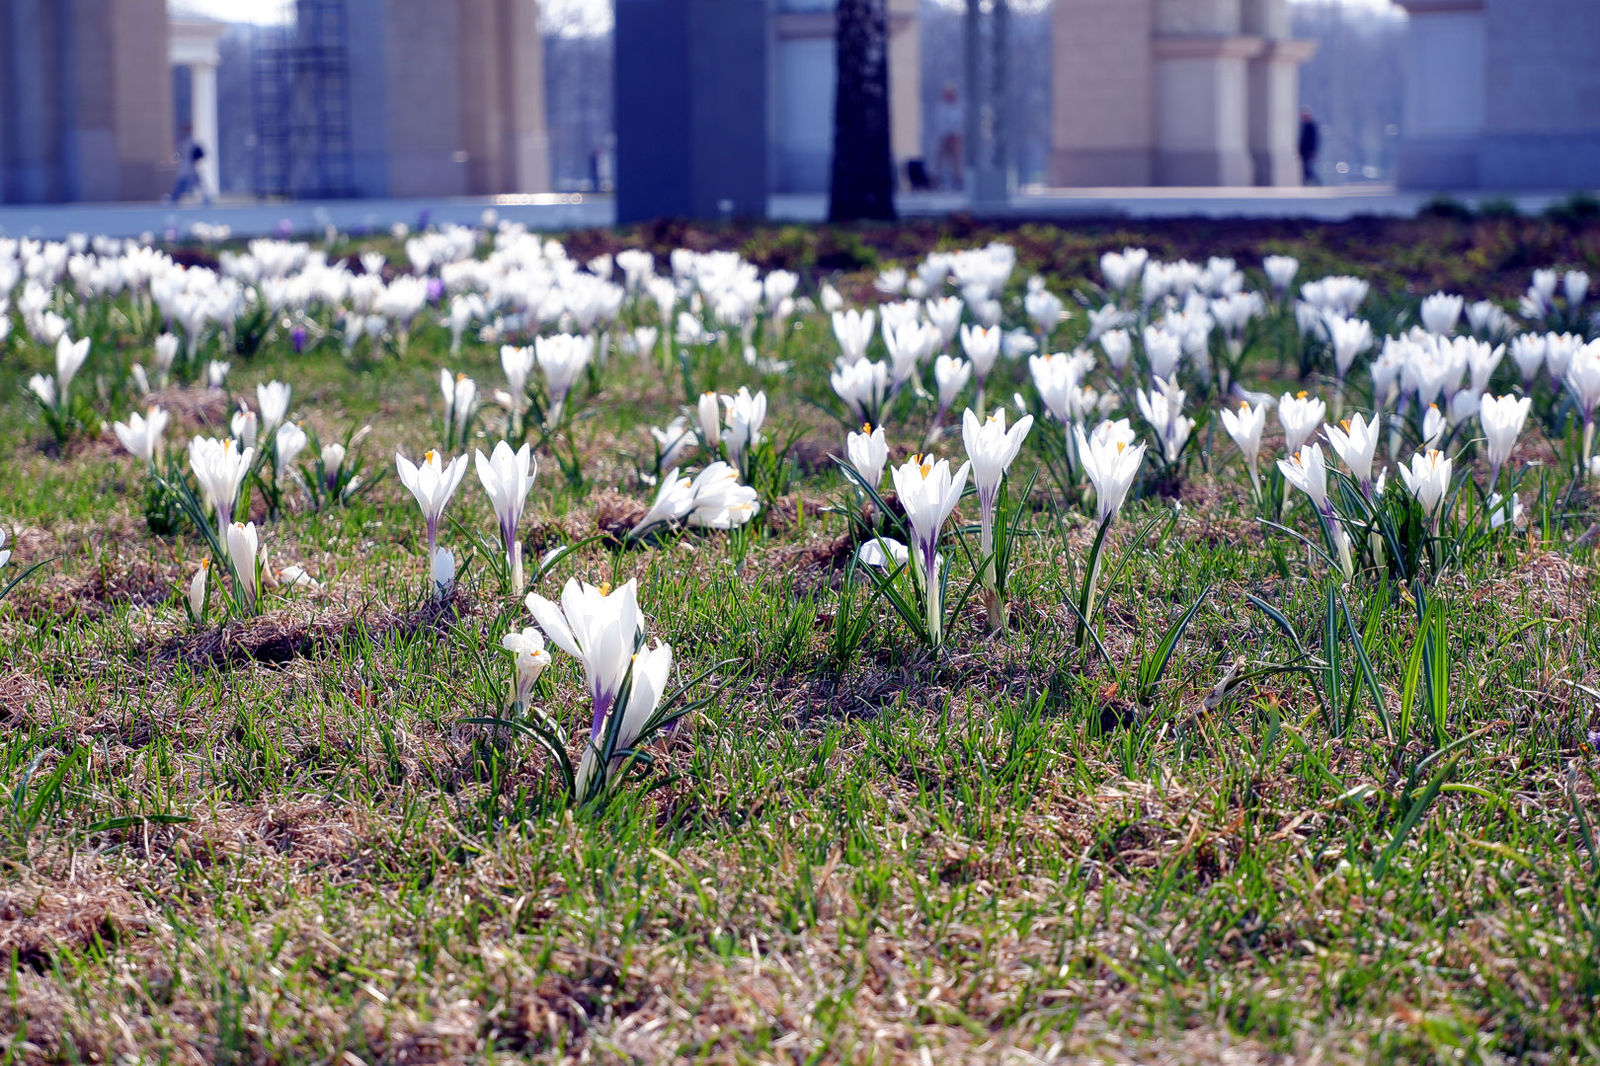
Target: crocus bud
{"points": [[444, 573], [197, 593], [243, 547]]}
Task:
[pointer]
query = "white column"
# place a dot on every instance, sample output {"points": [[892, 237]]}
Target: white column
{"points": [[203, 116]]}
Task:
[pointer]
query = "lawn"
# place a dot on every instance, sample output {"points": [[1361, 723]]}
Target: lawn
{"points": [[1207, 795]]}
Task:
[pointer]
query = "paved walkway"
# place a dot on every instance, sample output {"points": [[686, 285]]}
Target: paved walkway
{"points": [[568, 211], [249, 218], [1330, 203]]}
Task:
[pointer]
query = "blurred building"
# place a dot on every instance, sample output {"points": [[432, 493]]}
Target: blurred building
{"points": [[403, 98], [1501, 94], [350, 98], [1175, 92], [85, 100]]}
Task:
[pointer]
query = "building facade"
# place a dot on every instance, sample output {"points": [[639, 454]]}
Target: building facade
{"points": [[85, 101], [1501, 94], [1175, 92]]}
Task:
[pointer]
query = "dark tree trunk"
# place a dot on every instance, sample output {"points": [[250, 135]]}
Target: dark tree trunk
{"points": [[862, 184]]}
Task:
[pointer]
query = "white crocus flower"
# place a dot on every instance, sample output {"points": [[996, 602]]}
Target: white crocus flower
{"points": [[1280, 271], [1118, 346], [674, 500], [273, 399], [1583, 379], [868, 452], [244, 425], [1245, 426], [1045, 309], [332, 455], [1111, 465], [432, 482], [217, 373], [863, 386], [1300, 415], [1433, 426], [1502, 419], [288, 443], [70, 356], [1441, 312], [599, 628], [1575, 286], [562, 359], [991, 449], [1162, 407], [644, 340], [929, 492], [166, 350], [43, 386], [141, 434], [1428, 479], [529, 660], [1349, 337], [517, 364], [1306, 471], [721, 501], [745, 414], [650, 670], [460, 400], [1527, 351], [243, 554], [1162, 351], [507, 476], [708, 412], [982, 348], [220, 468], [1355, 440], [443, 571], [883, 553], [1500, 512], [950, 376], [945, 314], [196, 600], [672, 442], [853, 329]]}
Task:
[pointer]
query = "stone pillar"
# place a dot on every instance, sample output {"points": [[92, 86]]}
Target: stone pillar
{"points": [[482, 79], [1102, 104], [525, 153], [140, 96], [905, 85], [1274, 90], [1445, 102], [203, 111], [691, 105], [1275, 111], [1202, 107], [192, 43], [427, 146]]}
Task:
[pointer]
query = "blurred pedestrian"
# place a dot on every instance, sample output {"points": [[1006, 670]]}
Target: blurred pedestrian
{"points": [[948, 123], [1310, 140], [190, 152]]}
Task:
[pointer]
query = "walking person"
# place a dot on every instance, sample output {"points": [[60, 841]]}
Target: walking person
{"points": [[948, 124], [190, 152], [1310, 139]]}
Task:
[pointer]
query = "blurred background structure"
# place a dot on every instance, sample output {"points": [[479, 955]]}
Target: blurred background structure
{"points": [[1501, 94], [1175, 92], [715, 105]]}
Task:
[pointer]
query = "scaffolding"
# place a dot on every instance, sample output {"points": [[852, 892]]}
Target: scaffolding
{"points": [[301, 95]]}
